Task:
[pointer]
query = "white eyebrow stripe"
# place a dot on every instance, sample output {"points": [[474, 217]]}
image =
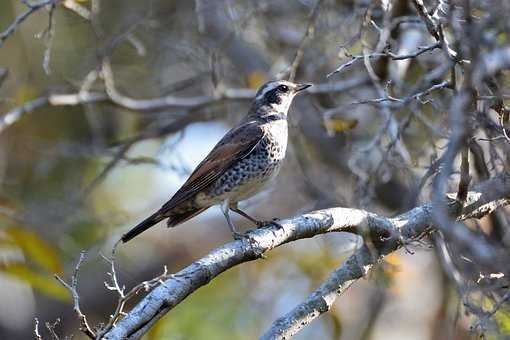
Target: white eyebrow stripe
{"points": [[267, 88]]}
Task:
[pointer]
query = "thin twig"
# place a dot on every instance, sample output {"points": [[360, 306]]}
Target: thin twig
{"points": [[51, 329], [120, 154], [465, 178], [405, 100], [480, 324], [389, 54], [114, 285], [15, 114], [435, 27], [73, 289], [310, 28], [22, 17], [36, 330], [86, 97]]}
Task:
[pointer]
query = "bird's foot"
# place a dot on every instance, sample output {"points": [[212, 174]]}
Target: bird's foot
{"points": [[274, 222]]}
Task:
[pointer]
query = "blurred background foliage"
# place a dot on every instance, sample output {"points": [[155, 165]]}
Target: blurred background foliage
{"points": [[52, 205]]}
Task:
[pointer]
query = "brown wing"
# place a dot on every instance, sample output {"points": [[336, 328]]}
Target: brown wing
{"points": [[234, 146]]}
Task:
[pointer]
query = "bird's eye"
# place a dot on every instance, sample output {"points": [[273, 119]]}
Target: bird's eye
{"points": [[283, 88]]}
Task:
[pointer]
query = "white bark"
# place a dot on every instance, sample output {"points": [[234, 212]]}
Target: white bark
{"points": [[386, 234]]}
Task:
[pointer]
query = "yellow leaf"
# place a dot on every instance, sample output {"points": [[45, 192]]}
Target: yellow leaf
{"points": [[36, 249], [337, 125], [394, 259], [44, 283], [255, 79]]}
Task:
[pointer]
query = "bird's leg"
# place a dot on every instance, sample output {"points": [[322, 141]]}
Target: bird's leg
{"points": [[259, 224], [245, 215], [225, 209]]}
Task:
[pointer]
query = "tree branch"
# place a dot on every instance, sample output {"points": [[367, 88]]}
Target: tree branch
{"points": [[387, 234], [165, 297], [85, 97], [411, 225], [72, 287], [310, 29], [22, 17]]}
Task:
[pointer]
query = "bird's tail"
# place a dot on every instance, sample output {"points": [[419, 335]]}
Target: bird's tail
{"points": [[176, 219], [143, 226], [173, 220]]}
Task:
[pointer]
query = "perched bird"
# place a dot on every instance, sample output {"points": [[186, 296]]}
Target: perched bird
{"points": [[244, 160]]}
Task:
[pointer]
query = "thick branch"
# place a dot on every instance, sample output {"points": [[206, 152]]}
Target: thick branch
{"points": [[180, 285], [411, 224], [386, 233]]}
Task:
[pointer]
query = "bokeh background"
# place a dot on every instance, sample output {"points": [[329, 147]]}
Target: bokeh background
{"points": [[56, 198]]}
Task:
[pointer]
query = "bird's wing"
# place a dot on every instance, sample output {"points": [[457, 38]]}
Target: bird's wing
{"points": [[234, 146]]}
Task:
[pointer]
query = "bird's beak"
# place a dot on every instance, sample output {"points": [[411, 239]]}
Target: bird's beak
{"points": [[301, 87]]}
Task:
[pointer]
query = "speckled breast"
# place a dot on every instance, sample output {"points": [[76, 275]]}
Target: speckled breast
{"points": [[249, 176]]}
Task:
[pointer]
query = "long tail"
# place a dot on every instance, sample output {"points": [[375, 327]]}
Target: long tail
{"points": [[143, 226], [174, 220]]}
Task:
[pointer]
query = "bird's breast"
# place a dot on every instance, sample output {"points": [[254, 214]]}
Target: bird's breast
{"points": [[275, 138]]}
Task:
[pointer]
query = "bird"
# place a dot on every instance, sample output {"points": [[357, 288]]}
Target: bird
{"points": [[243, 162]]}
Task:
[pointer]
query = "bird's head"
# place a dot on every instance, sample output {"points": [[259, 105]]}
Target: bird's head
{"points": [[275, 97]]}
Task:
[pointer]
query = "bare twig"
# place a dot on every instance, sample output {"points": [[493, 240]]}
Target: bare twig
{"points": [[36, 330], [120, 154], [168, 101], [73, 289], [389, 54], [47, 35], [434, 26], [427, 19], [310, 28], [22, 17], [86, 97], [481, 323], [405, 100], [14, 115], [354, 268], [80, 10], [51, 329], [85, 13], [441, 12], [124, 296]]}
